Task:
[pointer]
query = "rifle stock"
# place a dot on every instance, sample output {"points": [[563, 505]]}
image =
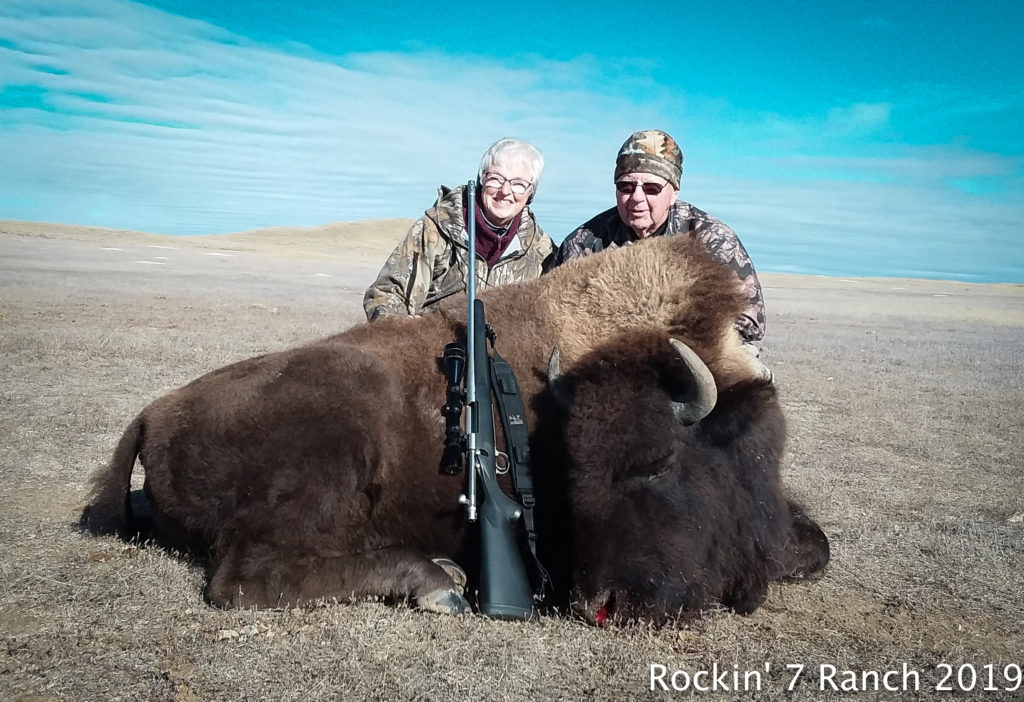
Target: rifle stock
{"points": [[505, 591]]}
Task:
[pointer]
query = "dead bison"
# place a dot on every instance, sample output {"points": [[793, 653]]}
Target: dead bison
{"points": [[314, 472]]}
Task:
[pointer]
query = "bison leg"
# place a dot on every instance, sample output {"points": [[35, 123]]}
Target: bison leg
{"points": [[807, 550], [259, 575]]}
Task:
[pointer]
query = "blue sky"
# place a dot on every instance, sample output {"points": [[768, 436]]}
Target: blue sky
{"points": [[845, 139]]}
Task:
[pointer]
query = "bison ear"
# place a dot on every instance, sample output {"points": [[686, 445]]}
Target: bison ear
{"points": [[701, 393], [557, 385]]}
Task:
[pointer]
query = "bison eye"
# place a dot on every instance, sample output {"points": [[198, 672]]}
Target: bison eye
{"points": [[644, 469]]}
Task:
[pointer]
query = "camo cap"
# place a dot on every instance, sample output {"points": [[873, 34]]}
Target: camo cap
{"points": [[651, 151]]}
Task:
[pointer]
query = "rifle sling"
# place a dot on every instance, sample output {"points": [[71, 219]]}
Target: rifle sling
{"points": [[513, 420]]}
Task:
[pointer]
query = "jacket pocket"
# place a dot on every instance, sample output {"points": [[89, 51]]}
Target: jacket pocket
{"points": [[447, 282]]}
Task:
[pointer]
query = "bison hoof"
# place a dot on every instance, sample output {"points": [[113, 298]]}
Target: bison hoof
{"points": [[453, 571], [443, 602]]}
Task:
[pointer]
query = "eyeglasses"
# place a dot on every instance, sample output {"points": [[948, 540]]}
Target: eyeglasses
{"points": [[628, 187], [517, 185]]}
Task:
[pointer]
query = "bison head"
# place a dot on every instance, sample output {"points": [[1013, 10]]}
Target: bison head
{"points": [[672, 483]]}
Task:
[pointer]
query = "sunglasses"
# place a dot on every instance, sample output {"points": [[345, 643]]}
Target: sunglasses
{"points": [[628, 187]]}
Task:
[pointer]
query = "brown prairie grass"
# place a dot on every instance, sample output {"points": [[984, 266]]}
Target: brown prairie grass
{"points": [[905, 444]]}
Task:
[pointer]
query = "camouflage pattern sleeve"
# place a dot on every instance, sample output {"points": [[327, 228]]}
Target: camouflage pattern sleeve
{"points": [[546, 250], [577, 245], [586, 239], [401, 286], [724, 245]]}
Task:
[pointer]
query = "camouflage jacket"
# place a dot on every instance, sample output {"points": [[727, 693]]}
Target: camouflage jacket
{"points": [[608, 231], [430, 264]]}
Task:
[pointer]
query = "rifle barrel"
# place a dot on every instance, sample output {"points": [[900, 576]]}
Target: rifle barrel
{"points": [[472, 409]]}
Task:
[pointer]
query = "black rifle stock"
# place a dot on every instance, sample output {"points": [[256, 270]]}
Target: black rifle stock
{"points": [[505, 591]]}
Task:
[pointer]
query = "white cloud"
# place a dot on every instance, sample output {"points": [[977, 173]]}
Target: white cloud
{"points": [[178, 113], [895, 230], [917, 165], [859, 118], [144, 120]]}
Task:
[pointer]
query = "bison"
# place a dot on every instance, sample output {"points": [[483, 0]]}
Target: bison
{"points": [[313, 472]]}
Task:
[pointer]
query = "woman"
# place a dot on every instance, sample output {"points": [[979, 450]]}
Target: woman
{"points": [[431, 263]]}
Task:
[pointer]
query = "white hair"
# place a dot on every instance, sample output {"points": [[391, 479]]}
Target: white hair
{"points": [[511, 150]]}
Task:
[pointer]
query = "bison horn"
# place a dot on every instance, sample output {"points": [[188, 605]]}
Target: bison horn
{"points": [[555, 382], [705, 391]]}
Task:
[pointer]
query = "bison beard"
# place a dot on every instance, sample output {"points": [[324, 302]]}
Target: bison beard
{"points": [[313, 473]]}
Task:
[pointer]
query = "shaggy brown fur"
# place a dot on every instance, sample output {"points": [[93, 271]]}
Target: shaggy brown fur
{"points": [[668, 518], [313, 472]]}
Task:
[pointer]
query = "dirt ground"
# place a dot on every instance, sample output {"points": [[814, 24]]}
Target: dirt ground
{"points": [[904, 405]]}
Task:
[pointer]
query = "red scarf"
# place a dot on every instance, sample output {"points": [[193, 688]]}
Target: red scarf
{"points": [[491, 243]]}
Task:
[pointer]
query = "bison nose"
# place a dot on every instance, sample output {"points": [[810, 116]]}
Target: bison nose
{"points": [[594, 609]]}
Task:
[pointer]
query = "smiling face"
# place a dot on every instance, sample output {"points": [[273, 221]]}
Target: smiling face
{"points": [[644, 201], [505, 189]]}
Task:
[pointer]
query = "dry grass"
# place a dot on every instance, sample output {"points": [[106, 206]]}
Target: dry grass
{"points": [[905, 424]]}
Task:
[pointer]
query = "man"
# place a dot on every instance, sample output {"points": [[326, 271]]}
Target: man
{"points": [[647, 172], [431, 263]]}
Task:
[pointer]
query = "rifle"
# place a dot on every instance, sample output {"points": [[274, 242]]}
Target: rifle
{"points": [[505, 591]]}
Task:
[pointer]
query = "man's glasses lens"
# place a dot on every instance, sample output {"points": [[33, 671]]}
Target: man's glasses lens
{"points": [[517, 185], [628, 188]]}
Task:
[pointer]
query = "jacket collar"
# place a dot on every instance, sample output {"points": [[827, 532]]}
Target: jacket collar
{"points": [[447, 215]]}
